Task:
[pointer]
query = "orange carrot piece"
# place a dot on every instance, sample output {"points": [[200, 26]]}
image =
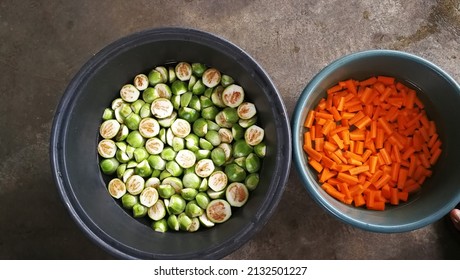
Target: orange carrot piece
{"points": [[310, 118], [335, 113], [433, 139], [386, 156], [359, 148], [384, 124], [373, 164], [328, 162], [394, 139], [326, 175], [367, 153], [338, 157], [350, 85], [424, 160], [396, 156], [386, 194], [368, 110], [363, 122], [412, 164], [377, 205], [358, 134], [356, 189], [385, 95], [339, 129], [352, 155], [356, 117], [343, 188], [316, 165], [368, 82], [355, 108], [307, 139], [366, 96], [347, 115], [382, 180], [344, 167], [386, 80], [395, 172], [341, 104], [359, 200], [380, 87], [394, 199], [324, 116], [345, 134], [334, 89], [435, 156], [333, 191], [380, 138], [321, 105], [412, 187], [350, 179], [432, 129], [408, 153], [435, 146], [337, 140], [410, 99], [359, 169], [402, 177], [354, 162], [403, 195], [328, 146], [319, 144], [313, 153]]}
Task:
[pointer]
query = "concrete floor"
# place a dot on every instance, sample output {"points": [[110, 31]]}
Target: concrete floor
{"points": [[44, 43]]}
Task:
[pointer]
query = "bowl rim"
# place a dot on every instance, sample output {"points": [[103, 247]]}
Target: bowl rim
{"points": [[297, 122], [97, 60]]}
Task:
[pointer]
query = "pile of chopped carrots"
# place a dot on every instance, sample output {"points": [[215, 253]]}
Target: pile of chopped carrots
{"points": [[371, 142]]}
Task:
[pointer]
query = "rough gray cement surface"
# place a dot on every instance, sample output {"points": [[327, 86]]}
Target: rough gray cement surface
{"points": [[44, 43]]}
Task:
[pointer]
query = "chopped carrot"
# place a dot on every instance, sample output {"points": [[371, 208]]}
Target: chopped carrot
{"points": [[346, 178], [316, 165], [435, 155], [319, 144], [386, 192], [359, 169], [367, 153], [335, 88], [359, 200], [363, 122], [394, 199], [338, 141], [385, 156], [310, 118], [368, 82], [373, 164], [328, 162], [344, 167], [408, 153], [359, 147], [386, 80], [324, 116], [313, 153], [371, 142], [433, 139], [333, 191], [328, 146], [326, 175], [307, 139]]}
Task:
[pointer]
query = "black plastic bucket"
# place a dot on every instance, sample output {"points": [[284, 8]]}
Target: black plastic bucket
{"points": [[74, 139]]}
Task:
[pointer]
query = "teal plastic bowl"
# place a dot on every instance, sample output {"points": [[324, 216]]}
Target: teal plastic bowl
{"points": [[441, 96]]}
